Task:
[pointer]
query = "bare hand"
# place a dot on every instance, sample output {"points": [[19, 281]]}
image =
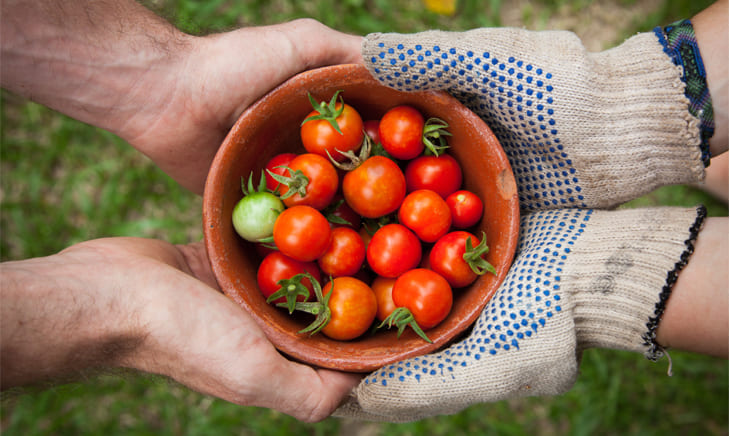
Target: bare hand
{"points": [[224, 74], [150, 305]]}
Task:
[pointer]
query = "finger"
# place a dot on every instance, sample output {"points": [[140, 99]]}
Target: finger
{"points": [[265, 57], [196, 258], [318, 45], [305, 393]]}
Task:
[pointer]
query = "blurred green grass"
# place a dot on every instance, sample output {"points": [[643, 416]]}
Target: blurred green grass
{"points": [[63, 182]]}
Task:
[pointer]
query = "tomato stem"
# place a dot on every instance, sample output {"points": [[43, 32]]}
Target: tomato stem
{"points": [[327, 111], [353, 161], [434, 136], [319, 308], [372, 225], [473, 256], [296, 182], [249, 189], [268, 242], [377, 149], [401, 317], [329, 213], [291, 289]]}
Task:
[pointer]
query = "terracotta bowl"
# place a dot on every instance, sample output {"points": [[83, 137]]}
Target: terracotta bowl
{"points": [[270, 127]]}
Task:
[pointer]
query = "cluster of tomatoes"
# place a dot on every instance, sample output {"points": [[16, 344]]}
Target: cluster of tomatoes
{"points": [[376, 198]]}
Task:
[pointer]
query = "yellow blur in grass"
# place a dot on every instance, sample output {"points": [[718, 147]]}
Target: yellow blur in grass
{"points": [[443, 7]]}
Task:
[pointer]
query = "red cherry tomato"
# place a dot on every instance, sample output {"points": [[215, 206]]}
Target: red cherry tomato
{"points": [[426, 258], [340, 214], [375, 188], [440, 174], [277, 266], [345, 254], [366, 236], [393, 250], [401, 132], [277, 165], [447, 258], [466, 208], [426, 213], [383, 288], [320, 137], [425, 294], [371, 129], [353, 307], [321, 182], [302, 233], [364, 275], [264, 250]]}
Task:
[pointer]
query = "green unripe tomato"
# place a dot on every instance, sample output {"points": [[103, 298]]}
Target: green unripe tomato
{"points": [[255, 214]]}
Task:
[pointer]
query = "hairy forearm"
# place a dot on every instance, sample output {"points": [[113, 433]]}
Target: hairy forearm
{"points": [[55, 323], [92, 60]]}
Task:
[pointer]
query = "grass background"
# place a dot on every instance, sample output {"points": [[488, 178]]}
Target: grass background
{"points": [[64, 182]]}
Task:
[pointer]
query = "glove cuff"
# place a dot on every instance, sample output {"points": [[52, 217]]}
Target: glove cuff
{"points": [[623, 273]]}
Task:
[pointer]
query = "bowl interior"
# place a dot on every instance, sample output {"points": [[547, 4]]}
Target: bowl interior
{"points": [[271, 126]]}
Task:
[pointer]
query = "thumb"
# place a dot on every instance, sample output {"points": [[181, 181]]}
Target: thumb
{"points": [[317, 45]]}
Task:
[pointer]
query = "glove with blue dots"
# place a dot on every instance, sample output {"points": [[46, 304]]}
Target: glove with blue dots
{"points": [[582, 278], [587, 130]]}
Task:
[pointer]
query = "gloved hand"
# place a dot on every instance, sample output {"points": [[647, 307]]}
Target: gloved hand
{"points": [[589, 130], [582, 131], [582, 278]]}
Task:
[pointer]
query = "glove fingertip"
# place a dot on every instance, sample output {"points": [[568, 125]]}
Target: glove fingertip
{"points": [[402, 61]]}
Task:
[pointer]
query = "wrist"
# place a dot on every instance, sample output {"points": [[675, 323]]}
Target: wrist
{"points": [[59, 321], [696, 316], [710, 28]]}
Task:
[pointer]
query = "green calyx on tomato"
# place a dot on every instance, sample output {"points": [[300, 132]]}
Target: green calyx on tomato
{"points": [[330, 213], [291, 289], [297, 182], [401, 317], [434, 136], [371, 225], [327, 111], [378, 150], [473, 256], [248, 188], [319, 308], [255, 214]]}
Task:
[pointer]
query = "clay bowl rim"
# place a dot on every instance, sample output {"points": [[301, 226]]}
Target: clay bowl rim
{"points": [[369, 352]]}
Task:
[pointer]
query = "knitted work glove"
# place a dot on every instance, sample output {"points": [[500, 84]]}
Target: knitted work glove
{"points": [[581, 278], [589, 130]]}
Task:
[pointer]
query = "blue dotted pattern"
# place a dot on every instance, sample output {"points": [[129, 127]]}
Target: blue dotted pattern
{"points": [[526, 302], [514, 97]]}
